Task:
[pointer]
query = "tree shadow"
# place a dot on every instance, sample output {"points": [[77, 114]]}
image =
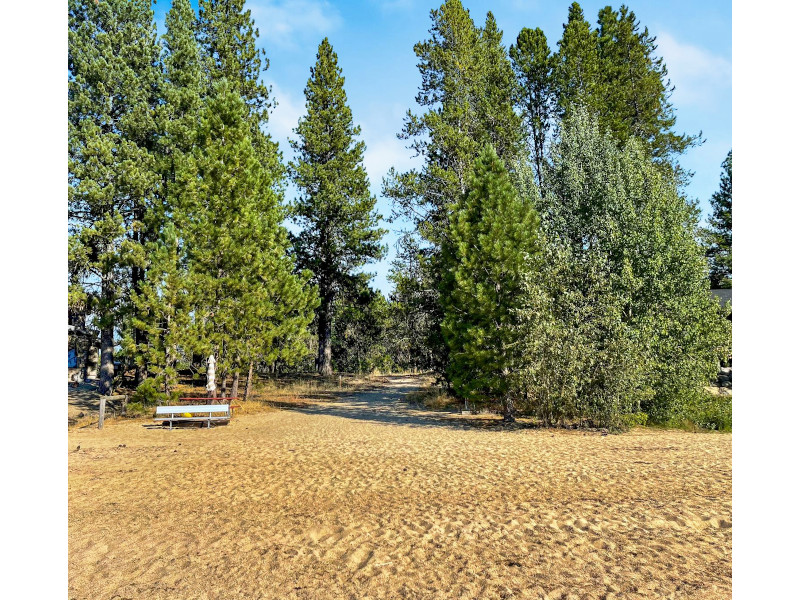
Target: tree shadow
{"points": [[389, 406]]}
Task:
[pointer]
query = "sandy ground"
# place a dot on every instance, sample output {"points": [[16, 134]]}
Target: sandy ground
{"points": [[368, 498]]}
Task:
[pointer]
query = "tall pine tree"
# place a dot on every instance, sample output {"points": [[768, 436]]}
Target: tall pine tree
{"points": [[164, 302], [247, 302], [578, 67], [335, 209], [493, 237], [635, 88], [467, 95], [719, 234], [534, 65], [113, 89]]}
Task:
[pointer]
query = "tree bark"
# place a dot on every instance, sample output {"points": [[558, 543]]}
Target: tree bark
{"points": [[106, 359], [508, 410], [249, 385], [324, 336], [235, 385], [107, 334]]}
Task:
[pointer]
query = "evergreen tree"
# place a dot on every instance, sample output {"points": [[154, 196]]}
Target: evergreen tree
{"points": [[635, 88], [534, 65], [467, 93], [362, 331], [113, 88], [718, 235], [162, 312], [414, 301], [248, 304], [335, 209], [493, 236], [163, 302], [577, 72], [229, 43]]}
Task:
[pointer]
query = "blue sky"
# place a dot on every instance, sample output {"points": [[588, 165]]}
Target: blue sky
{"points": [[374, 40]]}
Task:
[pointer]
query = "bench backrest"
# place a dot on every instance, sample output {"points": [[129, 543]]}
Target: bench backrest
{"points": [[193, 408]]}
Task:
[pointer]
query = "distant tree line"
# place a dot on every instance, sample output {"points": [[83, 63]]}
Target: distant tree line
{"points": [[554, 264]]}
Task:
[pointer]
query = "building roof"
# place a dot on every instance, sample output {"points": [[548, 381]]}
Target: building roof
{"points": [[723, 295]]}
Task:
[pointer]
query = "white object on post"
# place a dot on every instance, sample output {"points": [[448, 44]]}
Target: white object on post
{"points": [[211, 372]]}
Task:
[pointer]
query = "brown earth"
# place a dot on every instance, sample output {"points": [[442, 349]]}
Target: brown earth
{"points": [[366, 497]]}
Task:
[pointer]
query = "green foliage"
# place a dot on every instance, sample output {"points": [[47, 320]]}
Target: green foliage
{"points": [[413, 305], [362, 331], [335, 209], [534, 66], [614, 72], [620, 319], [577, 71], [492, 239], [467, 92], [467, 95], [113, 82], [150, 393], [704, 410], [719, 236], [247, 303]]}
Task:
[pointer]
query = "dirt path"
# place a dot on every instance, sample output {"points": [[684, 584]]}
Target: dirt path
{"points": [[367, 497]]}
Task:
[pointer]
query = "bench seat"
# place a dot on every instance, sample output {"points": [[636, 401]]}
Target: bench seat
{"points": [[197, 412]]}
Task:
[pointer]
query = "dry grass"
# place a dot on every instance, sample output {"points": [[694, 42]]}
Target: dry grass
{"points": [[327, 502]]}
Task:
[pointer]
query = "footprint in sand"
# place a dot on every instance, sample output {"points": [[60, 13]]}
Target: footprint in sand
{"points": [[359, 558]]}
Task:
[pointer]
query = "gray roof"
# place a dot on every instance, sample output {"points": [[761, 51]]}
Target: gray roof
{"points": [[723, 295]]}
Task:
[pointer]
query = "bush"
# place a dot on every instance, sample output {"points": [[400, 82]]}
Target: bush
{"points": [[704, 410], [151, 391], [637, 419]]}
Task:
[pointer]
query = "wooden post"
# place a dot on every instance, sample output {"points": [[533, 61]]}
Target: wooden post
{"points": [[102, 412]]}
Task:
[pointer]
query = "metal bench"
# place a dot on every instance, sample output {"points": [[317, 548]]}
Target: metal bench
{"points": [[196, 412]]}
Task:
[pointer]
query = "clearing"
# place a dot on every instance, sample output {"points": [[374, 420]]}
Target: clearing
{"points": [[365, 497]]}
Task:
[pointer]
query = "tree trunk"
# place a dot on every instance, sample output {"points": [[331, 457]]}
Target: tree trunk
{"points": [[224, 385], [249, 385], [106, 359], [107, 334], [508, 410], [324, 336], [235, 385]]}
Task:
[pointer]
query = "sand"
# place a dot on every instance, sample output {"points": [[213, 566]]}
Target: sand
{"points": [[368, 498]]}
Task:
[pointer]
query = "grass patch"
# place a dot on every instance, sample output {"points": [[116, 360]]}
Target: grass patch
{"points": [[433, 397]]}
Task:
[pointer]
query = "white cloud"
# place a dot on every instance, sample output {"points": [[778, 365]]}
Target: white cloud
{"points": [[285, 116], [379, 131], [700, 77], [285, 22]]}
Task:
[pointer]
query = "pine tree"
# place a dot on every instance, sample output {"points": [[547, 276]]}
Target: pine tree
{"points": [[113, 88], [229, 42], [718, 235], [493, 236], [162, 312], [578, 67], [163, 300], [635, 88], [247, 301], [534, 65], [335, 209], [467, 94]]}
